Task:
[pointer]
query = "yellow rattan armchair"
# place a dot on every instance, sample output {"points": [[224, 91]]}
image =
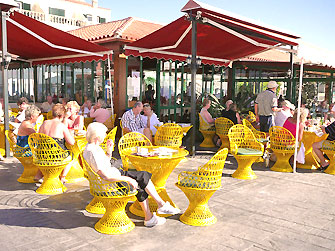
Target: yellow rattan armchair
{"points": [[199, 186], [23, 154], [113, 197], [207, 132], [122, 129], [246, 150], [49, 114], [282, 144], [169, 134], [251, 117], [51, 159], [39, 122], [328, 147], [131, 140], [110, 135], [222, 126], [109, 123], [260, 136]]}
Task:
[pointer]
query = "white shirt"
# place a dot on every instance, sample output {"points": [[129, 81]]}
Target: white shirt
{"points": [[21, 117], [46, 107], [153, 122], [98, 160], [281, 117]]}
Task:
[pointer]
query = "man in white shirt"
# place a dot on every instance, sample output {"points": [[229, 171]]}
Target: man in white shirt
{"points": [[286, 112], [47, 106]]}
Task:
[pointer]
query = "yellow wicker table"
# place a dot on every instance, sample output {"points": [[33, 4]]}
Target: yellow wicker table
{"points": [[308, 139], [76, 173], [160, 167]]}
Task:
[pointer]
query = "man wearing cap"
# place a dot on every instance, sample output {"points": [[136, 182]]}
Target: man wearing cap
{"points": [[266, 105], [286, 112]]}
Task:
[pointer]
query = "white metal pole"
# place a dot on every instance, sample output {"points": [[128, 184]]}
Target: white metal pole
{"points": [[298, 117], [110, 81]]}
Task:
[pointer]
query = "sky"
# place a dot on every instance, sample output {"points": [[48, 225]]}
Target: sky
{"points": [[314, 21]]}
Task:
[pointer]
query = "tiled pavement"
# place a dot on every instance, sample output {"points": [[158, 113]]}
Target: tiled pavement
{"points": [[276, 211]]}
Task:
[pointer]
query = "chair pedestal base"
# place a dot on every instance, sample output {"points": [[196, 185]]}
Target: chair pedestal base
{"points": [[136, 209], [208, 139], [198, 212], [76, 173], [244, 171], [95, 206], [29, 170], [310, 162], [115, 219], [224, 142], [51, 182], [282, 164], [331, 168]]}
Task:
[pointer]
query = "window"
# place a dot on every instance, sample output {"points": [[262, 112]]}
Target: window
{"points": [[24, 6], [101, 20], [88, 17], [57, 12]]}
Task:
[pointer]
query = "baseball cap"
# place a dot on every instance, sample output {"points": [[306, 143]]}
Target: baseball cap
{"points": [[272, 84]]}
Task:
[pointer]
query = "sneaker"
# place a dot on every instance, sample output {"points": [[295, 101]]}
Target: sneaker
{"points": [[168, 209], [155, 220]]}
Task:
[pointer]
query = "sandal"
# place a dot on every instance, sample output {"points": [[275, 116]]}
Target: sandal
{"points": [[322, 168]]}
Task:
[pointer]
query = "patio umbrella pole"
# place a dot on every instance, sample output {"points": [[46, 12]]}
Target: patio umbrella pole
{"points": [[193, 82], [4, 76], [110, 81], [298, 117]]}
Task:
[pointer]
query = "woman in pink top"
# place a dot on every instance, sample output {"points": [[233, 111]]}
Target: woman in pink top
{"points": [[99, 112], [206, 104], [291, 123]]}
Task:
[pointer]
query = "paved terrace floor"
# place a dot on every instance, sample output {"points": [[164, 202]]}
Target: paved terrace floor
{"points": [[277, 211]]}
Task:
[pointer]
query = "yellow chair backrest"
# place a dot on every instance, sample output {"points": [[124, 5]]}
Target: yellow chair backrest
{"points": [[103, 188], [222, 126], [123, 131], [207, 176], [110, 135], [203, 125], [169, 134], [49, 114], [258, 134], [241, 136], [39, 122], [14, 110], [251, 117], [109, 123], [46, 151], [281, 139]]}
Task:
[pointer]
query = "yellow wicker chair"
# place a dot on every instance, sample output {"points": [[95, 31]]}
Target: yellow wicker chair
{"points": [[39, 122], [14, 110], [49, 114], [207, 132], [328, 147], [246, 150], [199, 186], [222, 126], [251, 117], [169, 134], [109, 123], [114, 197], [87, 121], [123, 131], [110, 135], [51, 159], [282, 144], [23, 154], [130, 140]]}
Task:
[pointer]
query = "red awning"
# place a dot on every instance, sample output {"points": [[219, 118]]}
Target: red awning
{"points": [[221, 38], [40, 43]]}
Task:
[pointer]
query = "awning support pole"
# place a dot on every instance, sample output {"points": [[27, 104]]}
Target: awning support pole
{"points": [[4, 76], [110, 81], [193, 85], [298, 117]]}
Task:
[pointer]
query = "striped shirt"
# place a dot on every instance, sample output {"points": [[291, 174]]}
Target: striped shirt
{"points": [[132, 122], [331, 131]]}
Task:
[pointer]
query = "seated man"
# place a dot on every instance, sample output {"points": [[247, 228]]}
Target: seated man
{"points": [[47, 106], [23, 104], [318, 145], [99, 161], [132, 121]]}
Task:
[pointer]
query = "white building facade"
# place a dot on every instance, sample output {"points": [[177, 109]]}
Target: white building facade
{"points": [[65, 14]]}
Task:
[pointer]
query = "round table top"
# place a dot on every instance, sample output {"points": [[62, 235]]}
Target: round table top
{"points": [[155, 152]]}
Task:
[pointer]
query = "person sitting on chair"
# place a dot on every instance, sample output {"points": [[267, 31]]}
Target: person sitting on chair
{"points": [[99, 161], [150, 118], [132, 121]]}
